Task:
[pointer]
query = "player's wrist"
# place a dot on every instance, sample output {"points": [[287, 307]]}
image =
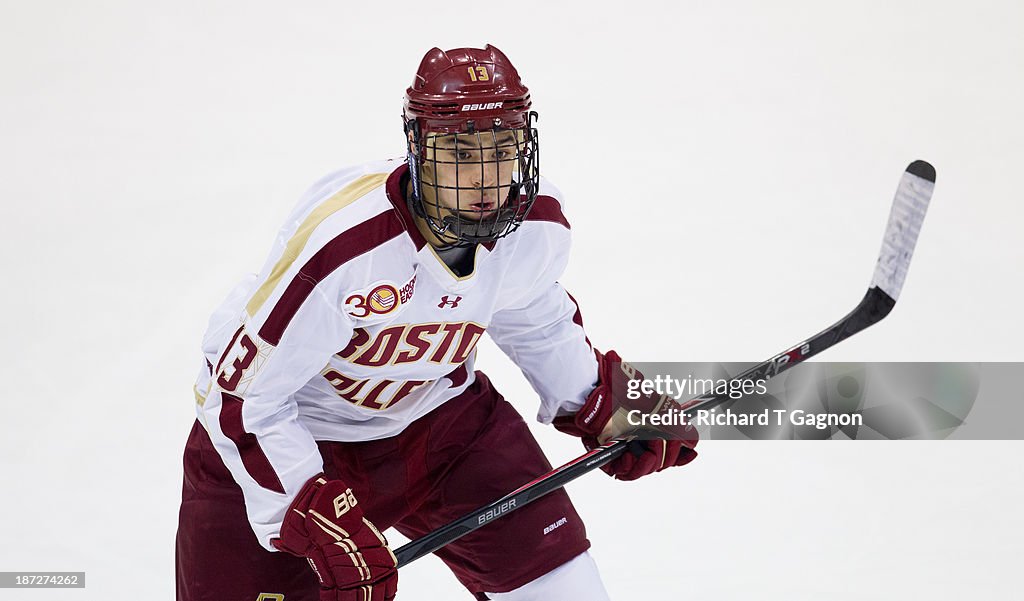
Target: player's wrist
{"points": [[594, 419]]}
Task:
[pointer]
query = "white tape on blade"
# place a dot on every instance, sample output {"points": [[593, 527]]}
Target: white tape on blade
{"points": [[908, 209]]}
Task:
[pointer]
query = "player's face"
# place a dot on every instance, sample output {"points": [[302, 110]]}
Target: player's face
{"points": [[470, 174]]}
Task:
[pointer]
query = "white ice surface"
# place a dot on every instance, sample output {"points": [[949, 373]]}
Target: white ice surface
{"points": [[729, 168]]}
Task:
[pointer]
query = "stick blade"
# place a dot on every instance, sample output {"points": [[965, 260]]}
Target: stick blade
{"points": [[908, 209]]}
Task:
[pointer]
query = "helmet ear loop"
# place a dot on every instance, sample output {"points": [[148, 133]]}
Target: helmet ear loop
{"points": [[437, 220], [533, 164], [529, 166], [415, 160], [534, 161], [521, 164]]}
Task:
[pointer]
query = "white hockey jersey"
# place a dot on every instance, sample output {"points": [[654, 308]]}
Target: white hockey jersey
{"points": [[355, 328]]}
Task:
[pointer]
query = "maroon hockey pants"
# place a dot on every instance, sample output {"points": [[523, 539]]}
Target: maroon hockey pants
{"points": [[470, 451]]}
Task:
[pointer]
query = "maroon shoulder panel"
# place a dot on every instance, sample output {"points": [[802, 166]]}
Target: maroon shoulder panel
{"points": [[343, 248], [546, 208], [253, 457]]}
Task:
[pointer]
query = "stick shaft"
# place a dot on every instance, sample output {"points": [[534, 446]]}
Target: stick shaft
{"points": [[914, 190]]}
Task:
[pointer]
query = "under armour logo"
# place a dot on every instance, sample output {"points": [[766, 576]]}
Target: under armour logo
{"points": [[445, 301]]}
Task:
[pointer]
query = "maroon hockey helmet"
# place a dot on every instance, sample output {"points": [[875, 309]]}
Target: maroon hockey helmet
{"points": [[468, 114]]}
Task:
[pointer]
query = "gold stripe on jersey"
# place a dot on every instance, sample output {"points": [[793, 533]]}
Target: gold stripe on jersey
{"points": [[339, 200]]}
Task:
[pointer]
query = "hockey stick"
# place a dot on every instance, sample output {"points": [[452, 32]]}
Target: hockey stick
{"points": [[905, 219]]}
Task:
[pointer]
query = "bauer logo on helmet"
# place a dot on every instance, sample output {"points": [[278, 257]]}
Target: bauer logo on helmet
{"points": [[482, 107]]}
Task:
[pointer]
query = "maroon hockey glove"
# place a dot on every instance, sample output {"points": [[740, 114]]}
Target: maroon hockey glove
{"points": [[607, 399], [325, 524]]}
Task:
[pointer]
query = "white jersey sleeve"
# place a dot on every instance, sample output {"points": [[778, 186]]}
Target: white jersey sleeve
{"points": [[276, 333], [542, 330]]}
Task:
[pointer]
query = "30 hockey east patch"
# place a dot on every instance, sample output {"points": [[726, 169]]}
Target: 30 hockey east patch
{"points": [[379, 299]]}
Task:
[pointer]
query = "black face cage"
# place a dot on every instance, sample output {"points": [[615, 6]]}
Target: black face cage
{"points": [[488, 205]]}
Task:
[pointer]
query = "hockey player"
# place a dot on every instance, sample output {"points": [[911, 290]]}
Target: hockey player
{"points": [[338, 396]]}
